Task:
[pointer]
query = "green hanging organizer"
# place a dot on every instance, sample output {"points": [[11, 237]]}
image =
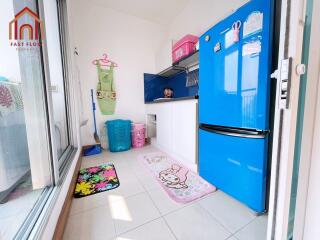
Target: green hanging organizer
{"points": [[106, 95]]}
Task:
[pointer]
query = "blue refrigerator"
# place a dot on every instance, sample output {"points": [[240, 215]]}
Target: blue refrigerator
{"points": [[234, 92]]}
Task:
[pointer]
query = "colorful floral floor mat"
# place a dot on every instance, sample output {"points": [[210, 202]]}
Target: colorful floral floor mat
{"points": [[94, 180]]}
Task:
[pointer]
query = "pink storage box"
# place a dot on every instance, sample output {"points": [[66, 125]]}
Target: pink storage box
{"points": [[138, 135], [184, 47]]}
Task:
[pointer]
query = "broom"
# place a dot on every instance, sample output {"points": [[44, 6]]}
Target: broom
{"points": [[95, 134], [96, 149]]}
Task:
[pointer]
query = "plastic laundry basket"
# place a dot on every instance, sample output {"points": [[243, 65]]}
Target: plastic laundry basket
{"points": [[119, 135], [138, 135]]}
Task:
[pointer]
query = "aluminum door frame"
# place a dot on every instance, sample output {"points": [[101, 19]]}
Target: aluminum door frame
{"points": [[309, 155], [292, 28]]}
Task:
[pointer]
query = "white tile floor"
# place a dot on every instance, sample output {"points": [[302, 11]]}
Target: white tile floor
{"points": [[140, 210]]}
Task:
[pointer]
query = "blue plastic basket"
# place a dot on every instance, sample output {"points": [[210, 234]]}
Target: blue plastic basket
{"points": [[119, 135]]}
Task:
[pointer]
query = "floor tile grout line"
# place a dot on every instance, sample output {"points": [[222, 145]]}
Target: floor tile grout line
{"points": [[232, 236], [142, 185], [118, 234], [104, 204], [140, 181], [240, 229], [154, 203], [255, 217], [171, 230], [178, 209], [136, 227], [162, 216], [247, 225], [197, 202], [217, 220]]}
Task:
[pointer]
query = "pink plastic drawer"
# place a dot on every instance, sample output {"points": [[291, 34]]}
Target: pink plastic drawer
{"points": [[184, 47]]}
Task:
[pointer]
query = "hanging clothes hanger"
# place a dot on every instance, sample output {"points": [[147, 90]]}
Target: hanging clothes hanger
{"points": [[104, 61]]}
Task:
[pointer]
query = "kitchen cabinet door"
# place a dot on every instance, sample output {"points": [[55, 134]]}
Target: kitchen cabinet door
{"points": [[184, 131], [164, 126]]}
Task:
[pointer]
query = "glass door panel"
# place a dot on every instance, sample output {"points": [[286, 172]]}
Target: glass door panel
{"points": [[303, 83], [25, 159], [57, 78]]}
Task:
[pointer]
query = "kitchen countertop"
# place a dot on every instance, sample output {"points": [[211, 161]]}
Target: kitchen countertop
{"points": [[163, 100]]}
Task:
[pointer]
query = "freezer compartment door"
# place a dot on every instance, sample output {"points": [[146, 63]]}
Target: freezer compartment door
{"points": [[235, 165]]}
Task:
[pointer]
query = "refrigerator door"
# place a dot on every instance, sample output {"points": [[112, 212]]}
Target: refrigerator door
{"points": [[236, 165], [234, 73]]}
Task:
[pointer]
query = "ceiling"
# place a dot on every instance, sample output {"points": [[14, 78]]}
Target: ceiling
{"points": [[158, 11]]}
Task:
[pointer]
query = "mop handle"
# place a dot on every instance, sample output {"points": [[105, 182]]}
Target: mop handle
{"points": [[94, 114]]}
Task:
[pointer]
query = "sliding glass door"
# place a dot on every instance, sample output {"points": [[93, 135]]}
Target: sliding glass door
{"points": [[35, 124], [25, 155], [299, 154]]}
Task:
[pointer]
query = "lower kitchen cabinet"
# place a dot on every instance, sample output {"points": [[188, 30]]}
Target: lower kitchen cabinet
{"points": [[176, 129]]}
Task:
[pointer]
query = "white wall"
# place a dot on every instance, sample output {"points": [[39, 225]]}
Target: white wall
{"points": [[129, 41], [196, 18], [312, 230]]}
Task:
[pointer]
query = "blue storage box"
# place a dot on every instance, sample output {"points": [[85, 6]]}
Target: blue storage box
{"points": [[119, 135]]}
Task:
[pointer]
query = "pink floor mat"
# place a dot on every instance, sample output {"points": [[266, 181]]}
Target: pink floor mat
{"points": [[179, 182]]}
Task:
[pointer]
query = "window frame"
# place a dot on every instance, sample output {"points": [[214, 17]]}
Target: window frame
{"points": [[59, 163], [67, 77]]}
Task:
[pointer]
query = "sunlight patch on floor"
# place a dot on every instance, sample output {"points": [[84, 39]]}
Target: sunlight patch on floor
{"points": [[119, 208]]}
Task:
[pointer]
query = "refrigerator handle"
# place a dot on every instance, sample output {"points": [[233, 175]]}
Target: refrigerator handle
{"points": [[242, 134]]}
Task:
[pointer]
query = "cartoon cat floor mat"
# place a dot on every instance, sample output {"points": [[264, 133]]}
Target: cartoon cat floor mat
{"points": [[181, 184], [94, 180]]}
